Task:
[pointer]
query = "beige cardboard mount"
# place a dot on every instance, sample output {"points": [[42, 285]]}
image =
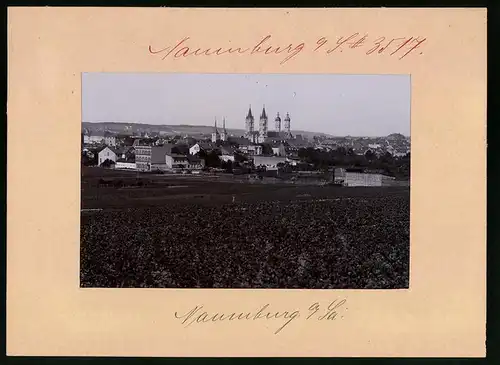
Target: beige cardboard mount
{"points": [[443, 312]]}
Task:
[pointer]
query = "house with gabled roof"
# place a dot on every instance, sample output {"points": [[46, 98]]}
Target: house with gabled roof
{"points": [[202, 146], [227, 153], [108, 153]]}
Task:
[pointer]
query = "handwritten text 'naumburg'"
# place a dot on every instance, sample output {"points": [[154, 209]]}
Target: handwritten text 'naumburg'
{"points": [[363, 44], [334, 310]]}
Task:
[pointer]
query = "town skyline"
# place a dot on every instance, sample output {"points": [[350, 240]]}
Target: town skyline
{"points": [[219, 126], [337, 105]]}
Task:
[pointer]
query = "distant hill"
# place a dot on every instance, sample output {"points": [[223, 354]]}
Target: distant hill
{"points": [[181, 129]]}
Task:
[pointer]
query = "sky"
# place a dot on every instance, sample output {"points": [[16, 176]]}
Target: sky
{"points": [[341, 105]]}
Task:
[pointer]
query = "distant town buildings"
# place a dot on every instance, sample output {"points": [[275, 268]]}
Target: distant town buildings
{"points": [[258, 148]]}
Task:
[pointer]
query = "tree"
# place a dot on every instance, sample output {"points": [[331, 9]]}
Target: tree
{"points": [[266, 149], [87, 161], [227, 165], [340, 151], [212, 159], [202, 154], [107, 163], [370, 156], [238, 157]]}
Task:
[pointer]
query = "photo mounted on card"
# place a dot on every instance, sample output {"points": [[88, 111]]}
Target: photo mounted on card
{"points": [[305, 192], [246, 176]]}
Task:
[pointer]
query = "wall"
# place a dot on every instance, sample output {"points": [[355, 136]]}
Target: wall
{"points": [[159, 166], [363, 179], [125, 165]]}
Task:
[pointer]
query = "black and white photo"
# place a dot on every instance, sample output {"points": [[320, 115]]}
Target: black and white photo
{"points": [[257, 181]]}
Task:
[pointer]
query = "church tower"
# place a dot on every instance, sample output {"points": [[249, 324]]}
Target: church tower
{"points": [[277, 123], [223, 134], [249, 125], [263, 126], [215, 133], [287, 126]]}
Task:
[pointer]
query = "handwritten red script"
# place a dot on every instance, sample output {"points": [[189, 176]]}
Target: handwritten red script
{"points": [[399, 47]]}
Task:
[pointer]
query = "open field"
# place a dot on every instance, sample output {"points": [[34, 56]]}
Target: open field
{"points": [[187, 232]]}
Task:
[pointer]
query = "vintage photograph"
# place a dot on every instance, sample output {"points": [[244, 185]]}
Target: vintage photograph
{"points": [[258, 181]]}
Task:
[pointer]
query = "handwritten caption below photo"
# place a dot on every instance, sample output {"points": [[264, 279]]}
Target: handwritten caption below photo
{"points": [[332, 311]]}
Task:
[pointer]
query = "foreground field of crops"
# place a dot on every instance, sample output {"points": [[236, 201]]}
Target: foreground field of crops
{"points": [[288, 238]]}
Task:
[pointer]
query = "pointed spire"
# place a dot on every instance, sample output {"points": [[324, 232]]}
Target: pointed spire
{"points": [[224, 123], [249, 115], [263, 115]]}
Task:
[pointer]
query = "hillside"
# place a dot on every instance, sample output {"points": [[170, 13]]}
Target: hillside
{"points": [[181, 129]]}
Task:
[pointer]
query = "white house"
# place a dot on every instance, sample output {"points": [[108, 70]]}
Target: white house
{"points": [[194, 149], [106, 154]]}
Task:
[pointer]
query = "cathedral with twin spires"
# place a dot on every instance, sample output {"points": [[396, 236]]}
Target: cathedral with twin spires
{"points": [[261, 135], [219, 136]]}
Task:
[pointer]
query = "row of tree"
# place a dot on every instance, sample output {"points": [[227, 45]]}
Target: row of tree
{"points": [[342, 157], [315, 159]]}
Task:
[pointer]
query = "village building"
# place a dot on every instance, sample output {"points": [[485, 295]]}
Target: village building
{"points": [[181, 163], [105, 138], [278, 149], [149, 158], [126, 163], [252, 150], [93, 139], [143, 157], [202, 146], [109, 139], [175, 161], [158, 154], [227, 154], [107, 153], [195, 163]]}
